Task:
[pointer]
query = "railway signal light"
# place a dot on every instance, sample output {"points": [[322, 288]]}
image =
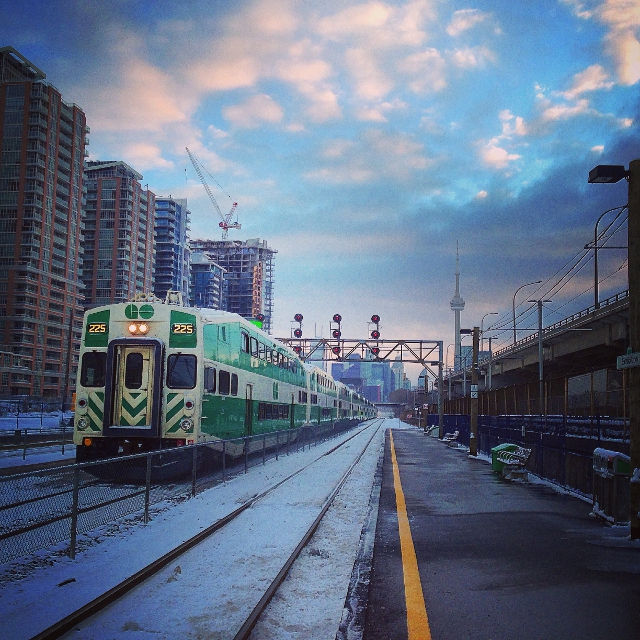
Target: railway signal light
{"points": [[375, 334], [298, 317], [336, 350], [297, 349], [375, 351], [298, 333], [375, 319], [337, 318], [336, 333]]}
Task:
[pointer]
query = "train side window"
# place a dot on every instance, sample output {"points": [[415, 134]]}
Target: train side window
{"points": [[262, 351], [224, 382], [94, 366], [254, 347], [268, 411], [210, 379], [245, 342], [234, 384], [262, 411], [181, 371], [133, 370]]}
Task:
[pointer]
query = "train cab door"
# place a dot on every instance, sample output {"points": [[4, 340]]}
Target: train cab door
{"points": [[134, 374], [248, 411]]}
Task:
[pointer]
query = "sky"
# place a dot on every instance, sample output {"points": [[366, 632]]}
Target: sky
{"points": [[367, 142]]}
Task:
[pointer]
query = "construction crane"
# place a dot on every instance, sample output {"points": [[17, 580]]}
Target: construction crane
{"points": [[225, 221]]}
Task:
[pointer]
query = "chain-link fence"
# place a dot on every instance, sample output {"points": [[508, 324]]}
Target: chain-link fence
{"points": [[51, 507]]}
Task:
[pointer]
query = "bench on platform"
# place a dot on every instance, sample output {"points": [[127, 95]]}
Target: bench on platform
{"points": [[450, 438], [514, 462]]}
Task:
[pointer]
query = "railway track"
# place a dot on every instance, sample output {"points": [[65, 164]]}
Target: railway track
{"points": [[145, 575]]}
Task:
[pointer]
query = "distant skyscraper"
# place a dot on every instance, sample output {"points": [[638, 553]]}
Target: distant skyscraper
{"points": [[457, 305], [208, 287], [43, 141], [119, 234], [172, 251], [248, 274]]}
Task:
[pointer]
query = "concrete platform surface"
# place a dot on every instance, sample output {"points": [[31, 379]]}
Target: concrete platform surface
{"points": [[496, 559]]}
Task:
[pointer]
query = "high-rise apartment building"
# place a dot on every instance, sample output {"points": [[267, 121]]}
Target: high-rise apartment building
{"points": [[172, 250], [248, 273], [42, 146], [208, 286], [119, 234]]}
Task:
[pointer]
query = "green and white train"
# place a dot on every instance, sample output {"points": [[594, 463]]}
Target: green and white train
{"points": [[156, 375]]}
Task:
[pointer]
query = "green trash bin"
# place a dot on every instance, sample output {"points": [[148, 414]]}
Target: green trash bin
{"points": [[496, 465]]}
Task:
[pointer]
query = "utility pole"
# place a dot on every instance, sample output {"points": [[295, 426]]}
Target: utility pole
{"points": [[634, 341], [473, 435], [611, 174]]}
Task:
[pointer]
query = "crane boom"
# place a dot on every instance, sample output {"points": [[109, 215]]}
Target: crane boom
{"points": [[225, 221]]}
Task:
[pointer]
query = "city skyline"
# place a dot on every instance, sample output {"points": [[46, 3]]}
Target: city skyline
{"points": [[362, 140]]}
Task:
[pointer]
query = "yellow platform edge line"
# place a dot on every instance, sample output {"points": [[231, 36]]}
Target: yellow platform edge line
{"points": [[417, 620]]}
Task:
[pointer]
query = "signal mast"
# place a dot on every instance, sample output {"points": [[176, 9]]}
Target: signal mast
{"points": [[225, 221]]}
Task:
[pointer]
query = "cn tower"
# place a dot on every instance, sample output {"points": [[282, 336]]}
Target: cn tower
{"points": [[457, 305]]}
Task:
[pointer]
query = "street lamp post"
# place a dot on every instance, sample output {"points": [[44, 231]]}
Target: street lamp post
{"points": [[491, 313], [540, 355], [514, 306], [609, 174]]}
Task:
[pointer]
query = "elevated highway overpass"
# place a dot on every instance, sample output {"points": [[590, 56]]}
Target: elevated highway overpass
{"points": [[579, 367]]}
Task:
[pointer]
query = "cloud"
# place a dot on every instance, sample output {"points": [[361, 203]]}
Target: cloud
{"points": [[428, 70], [377, 25], [145, 156], [495, 156], [593, 78], [564, 112], [371, 83], [472, 57], [622, 41], [464, 20], [376, 156], [254, 111]]}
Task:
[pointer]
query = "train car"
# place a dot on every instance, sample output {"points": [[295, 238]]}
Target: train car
{"points": [[157, 375]]}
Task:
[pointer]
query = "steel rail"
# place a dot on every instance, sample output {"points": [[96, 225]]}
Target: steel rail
{"points": [[245, 630], [85, 612]]}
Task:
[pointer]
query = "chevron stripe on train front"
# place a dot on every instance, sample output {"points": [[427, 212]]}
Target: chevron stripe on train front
{"points": [[95, 410], [175, 411], [133, 412]]}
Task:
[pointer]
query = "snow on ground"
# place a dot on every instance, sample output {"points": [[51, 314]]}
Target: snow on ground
{"points": [[36, 592]]}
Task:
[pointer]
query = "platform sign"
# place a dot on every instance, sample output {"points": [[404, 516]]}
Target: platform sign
{"points": [[628, 361], [474, 390]]}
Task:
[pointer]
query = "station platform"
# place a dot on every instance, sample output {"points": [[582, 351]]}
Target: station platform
{"points": [[462, 554]]}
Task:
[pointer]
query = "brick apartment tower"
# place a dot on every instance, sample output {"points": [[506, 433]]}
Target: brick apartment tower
{"points": [[119, 249], [42, 143]]}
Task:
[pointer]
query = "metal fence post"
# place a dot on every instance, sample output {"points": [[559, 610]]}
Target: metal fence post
{"points": [[277, 443], [224, 460], [264, 448], [24, 446], [63, 433], [246, 455], [147, 489], [194, 470], [74, 512]]}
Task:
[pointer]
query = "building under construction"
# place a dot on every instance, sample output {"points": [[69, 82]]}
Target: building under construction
{"points": [[248, 275]]}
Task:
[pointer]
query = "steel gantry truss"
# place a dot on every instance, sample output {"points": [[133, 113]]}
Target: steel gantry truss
{"points": [[428, 353]]}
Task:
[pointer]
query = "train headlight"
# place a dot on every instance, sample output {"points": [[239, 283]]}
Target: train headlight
{"points": [[138, 327], [186, 424], [82, 423]]}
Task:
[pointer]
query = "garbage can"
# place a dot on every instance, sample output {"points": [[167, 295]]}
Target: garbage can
{"points": [[496, 465], [611, 485]]}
